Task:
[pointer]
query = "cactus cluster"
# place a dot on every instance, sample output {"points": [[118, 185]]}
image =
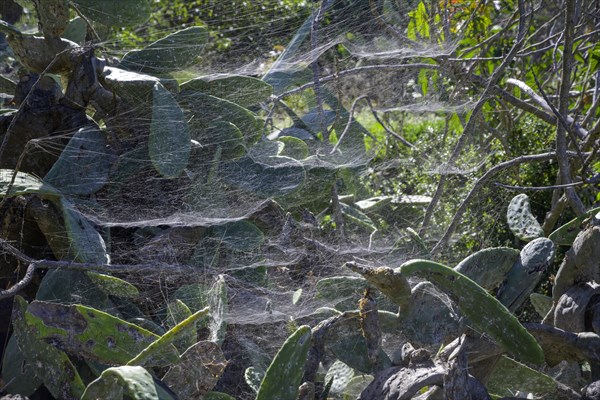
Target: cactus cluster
{"points": [[203, 134]]}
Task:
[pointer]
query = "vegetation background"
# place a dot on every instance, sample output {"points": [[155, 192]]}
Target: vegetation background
{"points": [[246, 185]]}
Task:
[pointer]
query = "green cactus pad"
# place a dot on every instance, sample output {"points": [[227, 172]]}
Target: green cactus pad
{"points": [[163, 344], [178, 311], [84, 164], [131, 382], [76, 30], [198, 371], [53, 16], [51, 365], [239, 235], [293, 147], [566, 234], [225, 135], [92, 334], [284, 375], [510, 376], [133, 87], [253, 378], [245, 91], [18, 374], [115, 12], [203, 110], [169, 142], [341, 375], [541, 303], [264, 180], [521, 221], [86, 243], [357, 217], [113, 286], [82, 242], [488, 267], [174, 52], [526, 273], [484, 311]]}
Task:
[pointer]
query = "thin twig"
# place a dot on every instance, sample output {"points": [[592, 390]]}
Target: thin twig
{"points": [[376, 116], [471, 123], [149, 269], [539, 188], [565, 86], [12, 291], [480, 182], [314, 43]]}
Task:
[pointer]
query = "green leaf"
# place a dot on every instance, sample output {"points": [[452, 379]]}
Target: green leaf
{"points": [[84, 165], [51, 365], [178, 311], [131, 382], [483, 310], [245, 91], [422, 20], [116, 13], [169, 143], [90, 333], [284, 375], [174, 52]]}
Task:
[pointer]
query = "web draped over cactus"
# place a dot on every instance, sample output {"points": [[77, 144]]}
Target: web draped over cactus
{"points": [[201, 238]]}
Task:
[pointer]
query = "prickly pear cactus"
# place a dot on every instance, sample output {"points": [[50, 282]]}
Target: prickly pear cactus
{"points": [[53, 16], [484, 311], [520, 219], [283, 376], [488, 267], [582, 261], [526, 273]]}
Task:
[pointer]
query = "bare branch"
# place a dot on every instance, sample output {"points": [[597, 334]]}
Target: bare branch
{"points": [[480, 182]]}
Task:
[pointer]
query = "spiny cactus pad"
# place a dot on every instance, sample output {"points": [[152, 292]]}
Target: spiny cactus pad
{"points": [[285, 372], [483, 310], [521, 221]]}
